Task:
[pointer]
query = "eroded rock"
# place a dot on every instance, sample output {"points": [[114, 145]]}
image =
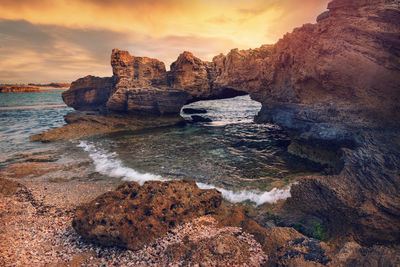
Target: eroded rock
{"points": [[88, 93], [133, 215]]}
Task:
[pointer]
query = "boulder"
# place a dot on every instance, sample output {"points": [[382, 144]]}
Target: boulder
{"points": [[88, 93], [133, 215]]}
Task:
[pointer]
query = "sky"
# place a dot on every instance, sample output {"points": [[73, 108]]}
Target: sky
{"points": [[62, 40]]}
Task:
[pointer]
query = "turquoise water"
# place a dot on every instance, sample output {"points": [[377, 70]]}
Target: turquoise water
{"points": [[24, 114], [231, 153]]}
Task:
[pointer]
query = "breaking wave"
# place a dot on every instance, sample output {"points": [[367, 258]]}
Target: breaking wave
{"points": [[107, 163]]}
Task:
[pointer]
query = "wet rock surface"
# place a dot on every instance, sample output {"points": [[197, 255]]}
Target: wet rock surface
{"points": [[134, 215]]}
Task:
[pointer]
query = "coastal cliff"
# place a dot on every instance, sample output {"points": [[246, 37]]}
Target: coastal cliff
{"points": [[333, 86]]}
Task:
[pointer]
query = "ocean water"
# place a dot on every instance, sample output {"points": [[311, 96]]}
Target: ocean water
{"points": [[244, 160], [24, 114]]}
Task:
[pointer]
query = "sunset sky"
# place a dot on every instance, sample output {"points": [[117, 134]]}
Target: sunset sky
{"points": [[62, 40]]}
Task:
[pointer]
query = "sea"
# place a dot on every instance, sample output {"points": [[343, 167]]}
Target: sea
{"points": [[246, 161]]}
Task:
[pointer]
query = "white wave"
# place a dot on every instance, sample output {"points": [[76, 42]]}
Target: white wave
{"points": [[106, 163], [257, 197]]}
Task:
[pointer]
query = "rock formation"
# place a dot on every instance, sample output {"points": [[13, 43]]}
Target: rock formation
{"points": [[88, 93], [141, 85], [134, 215], [333, 85]]}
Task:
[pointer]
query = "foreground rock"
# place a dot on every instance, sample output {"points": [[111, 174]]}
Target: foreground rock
{"points": [[134, 215]]}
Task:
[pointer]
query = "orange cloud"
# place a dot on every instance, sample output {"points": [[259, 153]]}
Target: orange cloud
{"points": [[154, 28]]}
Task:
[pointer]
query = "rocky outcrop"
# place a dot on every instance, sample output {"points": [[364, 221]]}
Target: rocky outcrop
{"points": [[142, 87], [134, 215], [89, 93], [90, 123]]}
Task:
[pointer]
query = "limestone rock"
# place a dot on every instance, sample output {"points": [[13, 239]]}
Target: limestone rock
{"points": [[131, 71], [133, 215], [193, 75], [88, 93]]}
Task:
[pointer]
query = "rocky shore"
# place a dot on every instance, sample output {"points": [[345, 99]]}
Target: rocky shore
{"points": [[333, 86]]}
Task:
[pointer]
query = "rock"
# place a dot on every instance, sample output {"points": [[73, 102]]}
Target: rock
{"points": [[131, 71], [148, 101], [9, 187], [197, 118], [352, 254], [89, 93], [303, 252], [84, 123], [194, 111], [133, 215], [191, 74], [141, 86]]}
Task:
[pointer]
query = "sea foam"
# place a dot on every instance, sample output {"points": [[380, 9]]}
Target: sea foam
{"points": [[108, 164]]}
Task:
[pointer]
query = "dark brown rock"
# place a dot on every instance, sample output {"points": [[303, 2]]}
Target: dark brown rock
{"points": [[133, 215], [88, 93]]}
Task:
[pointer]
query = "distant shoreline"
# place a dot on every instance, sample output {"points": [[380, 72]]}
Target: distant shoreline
{"points": [[22, 88]]}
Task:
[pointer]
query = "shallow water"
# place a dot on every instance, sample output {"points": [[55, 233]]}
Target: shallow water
{"points": [[244, 160], [231, 152], [24, 114]]}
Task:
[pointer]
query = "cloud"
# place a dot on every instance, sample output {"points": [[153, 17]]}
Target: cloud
{"points": [[39, 53], [61, 40]]}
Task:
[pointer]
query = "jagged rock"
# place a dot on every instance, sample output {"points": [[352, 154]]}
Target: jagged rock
{"points": [[88, 93], [142, 87], [131, 71], [197, 78], [133, 215], [193, 75]]}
